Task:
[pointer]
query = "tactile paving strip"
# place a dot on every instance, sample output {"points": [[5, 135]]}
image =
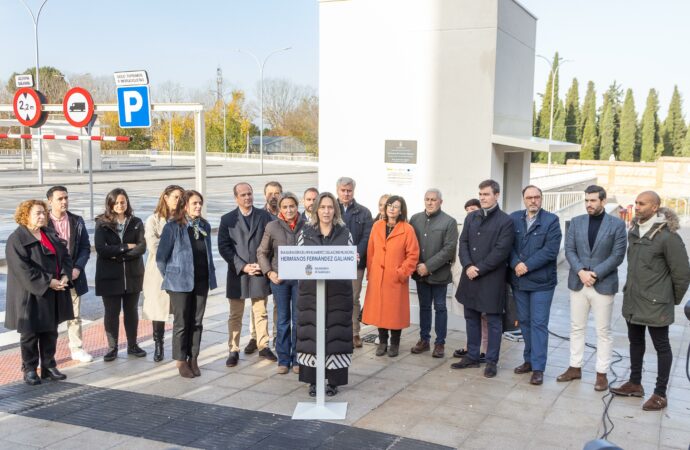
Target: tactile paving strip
{"points": [[94, 341], [184, 422]]}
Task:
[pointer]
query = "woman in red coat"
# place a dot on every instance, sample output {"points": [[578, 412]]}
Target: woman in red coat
{"points": [[392, 256]]}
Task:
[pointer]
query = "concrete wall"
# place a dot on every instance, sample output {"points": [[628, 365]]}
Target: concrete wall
{"points": [[444, 73], [669, 176]]}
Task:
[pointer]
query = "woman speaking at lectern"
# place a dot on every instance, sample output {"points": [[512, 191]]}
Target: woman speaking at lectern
{"points": [[326, 227]]}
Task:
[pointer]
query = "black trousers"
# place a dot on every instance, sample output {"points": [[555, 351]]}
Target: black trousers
{"points": [[127, 303], [334, 377], [395, 336], [188, 315], [38, 347], [664, 355]]}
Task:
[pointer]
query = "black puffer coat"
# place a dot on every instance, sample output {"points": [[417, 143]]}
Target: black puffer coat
{"points": [[119, 269], [338, 301]]}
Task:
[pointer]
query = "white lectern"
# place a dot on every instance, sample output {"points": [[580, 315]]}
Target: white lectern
{"points": [[319, 263]]}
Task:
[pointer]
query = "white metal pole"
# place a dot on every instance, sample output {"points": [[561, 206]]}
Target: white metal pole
{"points": [[170, 139], [225, 130], [553, 80], [200, 154], [89, 129], [35, 20], [22, 148], [261, 121], [320, 341]]}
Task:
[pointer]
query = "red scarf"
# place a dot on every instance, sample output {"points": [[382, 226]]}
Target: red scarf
{"points": [[291, 225]]}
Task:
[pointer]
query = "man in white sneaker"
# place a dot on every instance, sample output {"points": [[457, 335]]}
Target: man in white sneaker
{"points": [[72, 229]]}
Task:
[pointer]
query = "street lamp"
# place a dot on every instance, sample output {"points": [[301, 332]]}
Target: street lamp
{"points": [[35, 19], [553, 81], [261, 87], [222, 95]]}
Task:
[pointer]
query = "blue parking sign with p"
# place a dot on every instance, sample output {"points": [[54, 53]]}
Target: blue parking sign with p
{"points": [[134, 106]]}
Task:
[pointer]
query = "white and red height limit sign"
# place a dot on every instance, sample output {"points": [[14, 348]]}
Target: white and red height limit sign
{"points": [[28, 107], [78, 107]]}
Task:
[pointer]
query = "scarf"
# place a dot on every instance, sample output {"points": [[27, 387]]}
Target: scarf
{"points": [[294, 221], [195, 224]]}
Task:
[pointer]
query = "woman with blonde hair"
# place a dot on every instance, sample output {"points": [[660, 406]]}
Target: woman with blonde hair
{"points": [[156, 300]]}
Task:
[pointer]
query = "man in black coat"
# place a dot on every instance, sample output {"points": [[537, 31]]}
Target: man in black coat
{"points": [[358, 220], [239, 236], [485, 244], [72, 229]]}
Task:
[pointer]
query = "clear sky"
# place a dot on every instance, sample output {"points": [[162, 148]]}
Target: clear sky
{"points": [[639, 43]]}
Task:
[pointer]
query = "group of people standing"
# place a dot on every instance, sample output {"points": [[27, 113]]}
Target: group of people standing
{"points": [[47, 254]]}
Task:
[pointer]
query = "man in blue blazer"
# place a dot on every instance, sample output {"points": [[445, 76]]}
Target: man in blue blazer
{"points": [[533, 278], [595, 247]]}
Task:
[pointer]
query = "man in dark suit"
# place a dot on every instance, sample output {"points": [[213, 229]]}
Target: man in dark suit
{"points": [[595, 247], [71, 228], [358, 220], [485, 244], [239, 236], [308, 200]]}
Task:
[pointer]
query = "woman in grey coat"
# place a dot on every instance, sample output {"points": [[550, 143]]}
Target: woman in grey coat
{"points": [[185, 261], [278, 233]]}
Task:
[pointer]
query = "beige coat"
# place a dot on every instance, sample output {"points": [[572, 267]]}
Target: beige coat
{"points": [[156, 300]]}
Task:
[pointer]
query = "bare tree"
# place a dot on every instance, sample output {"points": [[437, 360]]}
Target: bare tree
{"points": [[281, 97], [101, 87]]}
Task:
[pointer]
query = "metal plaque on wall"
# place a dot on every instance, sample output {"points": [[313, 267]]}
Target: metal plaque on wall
{"points": [[401, 152]]}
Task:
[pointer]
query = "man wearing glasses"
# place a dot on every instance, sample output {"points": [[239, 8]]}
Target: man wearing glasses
{"points": [[533, 278]]}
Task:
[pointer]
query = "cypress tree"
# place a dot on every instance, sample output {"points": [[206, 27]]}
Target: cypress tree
{"points": [[590, 132], [628, 128], [650, 128], [609, 125], [545, 111], [559, 131], [686, 142], [535, 120], [573, 117], [674, 126]]}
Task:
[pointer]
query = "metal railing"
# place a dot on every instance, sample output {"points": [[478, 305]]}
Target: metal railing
{"points": [[558, 201]]}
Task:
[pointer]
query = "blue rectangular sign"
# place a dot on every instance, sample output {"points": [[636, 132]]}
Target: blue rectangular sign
{"points": [[134, 106]]}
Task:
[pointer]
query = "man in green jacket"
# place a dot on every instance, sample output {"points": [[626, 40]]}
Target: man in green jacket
{"points": [[658, 278]]}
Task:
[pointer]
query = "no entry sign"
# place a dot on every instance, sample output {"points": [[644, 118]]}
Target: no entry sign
{"points": [[28, 107], [78, 107]]}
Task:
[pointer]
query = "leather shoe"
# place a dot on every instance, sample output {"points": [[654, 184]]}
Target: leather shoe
{"points": [[393, 350], [357, 341], [490, 370], [537, 378], [602, 382], [31, 378], [381, 349], [420, 347], [571, 373], [266, 353], [282, 370], [185, 371], [523, 368], [465, 363], [251, 347], [232, 359], [439, 351], [111, 355], [655, 403], [628, 389], [135, 350], [459, 353], [194, 365], [52, 373]]}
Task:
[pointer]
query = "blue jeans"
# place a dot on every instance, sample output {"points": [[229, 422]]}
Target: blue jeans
{"points": [[533, 310], [285, 296], [436, 294], [473, 325]]}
